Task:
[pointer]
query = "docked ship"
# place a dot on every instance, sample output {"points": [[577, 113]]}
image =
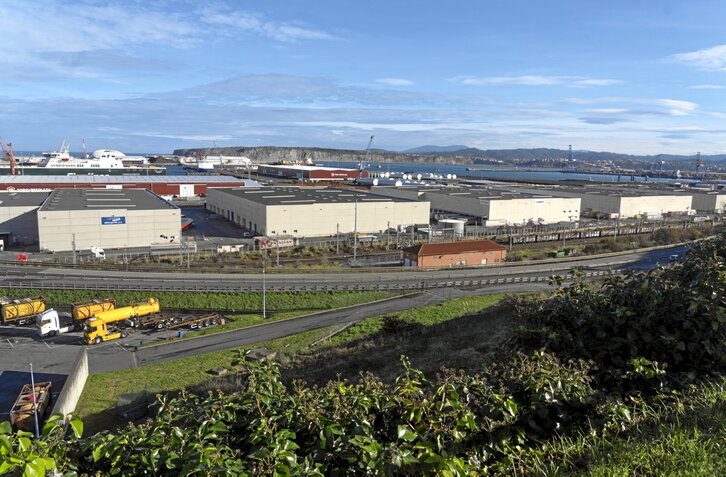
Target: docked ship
{"points": [[102, 162]]}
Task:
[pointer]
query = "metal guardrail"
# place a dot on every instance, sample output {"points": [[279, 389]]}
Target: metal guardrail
{"points": [[296, 287]]}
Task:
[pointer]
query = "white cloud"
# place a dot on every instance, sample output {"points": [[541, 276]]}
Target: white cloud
{"points": [[395, 81], [220, 137], [708, 59], [677, 107], [248, 22], [534, 80], [606, 110], [707, 86]]}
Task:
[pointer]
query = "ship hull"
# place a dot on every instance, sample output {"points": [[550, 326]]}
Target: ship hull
{"points": [[80, 171]]}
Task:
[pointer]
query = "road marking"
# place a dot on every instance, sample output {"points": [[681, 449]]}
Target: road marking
{"points": [[46, 343]]}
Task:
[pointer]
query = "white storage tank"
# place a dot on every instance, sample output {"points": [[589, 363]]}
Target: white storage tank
{"points": [[456, 224]]}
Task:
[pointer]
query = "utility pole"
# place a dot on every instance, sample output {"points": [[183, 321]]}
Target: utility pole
{"points": [[264, 285], [355, 229], [73, 243], [35, 402], [277, 249], [337, 239]]}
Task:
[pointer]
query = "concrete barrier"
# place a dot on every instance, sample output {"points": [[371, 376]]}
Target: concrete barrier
{"points": [[72, 389]]}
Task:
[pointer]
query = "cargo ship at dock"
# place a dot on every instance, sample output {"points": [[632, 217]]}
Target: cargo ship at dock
{"points": [[102, 162]]}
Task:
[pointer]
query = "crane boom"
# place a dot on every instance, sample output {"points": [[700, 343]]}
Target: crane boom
{"points": [[8, 150], [361, 165]]}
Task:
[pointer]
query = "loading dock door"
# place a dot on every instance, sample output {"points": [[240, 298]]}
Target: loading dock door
{"points": [[186, 190]]}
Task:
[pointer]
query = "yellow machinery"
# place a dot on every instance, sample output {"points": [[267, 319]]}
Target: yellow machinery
{"points": [[21, 311], [107, 325], [84, 310]]}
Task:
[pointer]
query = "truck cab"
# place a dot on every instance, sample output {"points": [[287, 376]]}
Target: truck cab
{"points": [[96, 330], [51, 323]]}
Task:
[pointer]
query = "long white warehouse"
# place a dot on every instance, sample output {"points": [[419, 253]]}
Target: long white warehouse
{"points": [[493, 205], [314, 211]]}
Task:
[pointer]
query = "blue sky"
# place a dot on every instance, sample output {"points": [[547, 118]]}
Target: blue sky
{"points": [[637, 76]]}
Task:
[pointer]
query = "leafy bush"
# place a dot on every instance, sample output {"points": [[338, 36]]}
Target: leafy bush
{"points": [[673, 318]]}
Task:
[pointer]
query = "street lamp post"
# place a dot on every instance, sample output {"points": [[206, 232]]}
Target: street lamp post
{"points": [[264, 285], [355, 231], [35, 401]]}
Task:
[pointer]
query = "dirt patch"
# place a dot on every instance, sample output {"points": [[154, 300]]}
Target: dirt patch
{"points": [[464, 343]]}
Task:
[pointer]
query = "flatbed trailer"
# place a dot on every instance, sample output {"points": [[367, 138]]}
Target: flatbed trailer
{"points": [[169, 322], [22, 414]]}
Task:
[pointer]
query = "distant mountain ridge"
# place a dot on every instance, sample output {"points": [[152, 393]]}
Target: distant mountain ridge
{"points": [[544, 157], [433, 149]]}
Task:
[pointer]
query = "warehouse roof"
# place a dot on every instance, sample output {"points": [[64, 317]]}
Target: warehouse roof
{"points": [[305, 195], [306, 167], [609, 191], [22, 199], [93, 179], [97, 199], [473, 193], [445, 248]]}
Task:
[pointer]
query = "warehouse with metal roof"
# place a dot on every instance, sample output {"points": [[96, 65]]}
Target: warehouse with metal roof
{"points": [[492, 206], [314, 211], [79, 219], [178, 186]]}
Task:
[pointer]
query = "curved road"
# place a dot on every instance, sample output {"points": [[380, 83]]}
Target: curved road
{"points": [[38, 277]]}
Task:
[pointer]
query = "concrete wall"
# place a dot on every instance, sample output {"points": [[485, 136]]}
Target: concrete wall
{"points": [[142, 228], [549, 209], [322, 219], [73, 387], [709, 202], [21, 223], [654, 205]]}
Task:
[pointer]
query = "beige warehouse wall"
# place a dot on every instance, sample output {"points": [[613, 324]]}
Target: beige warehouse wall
{"points": [[460, 204], [21, 222], [709, 202], [319, 220], [549, 209], [654, 205], [143, 228]]}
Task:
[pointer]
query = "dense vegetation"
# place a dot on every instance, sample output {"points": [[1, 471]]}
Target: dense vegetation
{"points": [[583, 362], [276, 301]]}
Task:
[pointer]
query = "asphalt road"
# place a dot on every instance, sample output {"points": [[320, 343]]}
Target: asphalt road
{"points": [[55, 356], [19, 276]]}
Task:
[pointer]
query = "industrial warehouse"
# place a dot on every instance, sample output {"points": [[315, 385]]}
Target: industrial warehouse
{"points": [[314, 211], [625, 202], [79, 219], [310, 172], [492, 206], [167, 186]]}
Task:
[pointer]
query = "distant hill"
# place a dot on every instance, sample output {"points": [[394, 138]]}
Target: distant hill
{"points": [[535, 157], [434, 149]]}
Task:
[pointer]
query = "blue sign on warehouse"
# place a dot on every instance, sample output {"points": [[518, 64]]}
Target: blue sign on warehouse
{"points": [[113, 220]]}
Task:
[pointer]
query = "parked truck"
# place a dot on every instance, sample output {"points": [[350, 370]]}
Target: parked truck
{"points": [[51, 322], [86, 309], [109, 325], [21, 311], [22, 414]]}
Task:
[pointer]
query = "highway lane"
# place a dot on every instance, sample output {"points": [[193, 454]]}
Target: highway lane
{"points": [[122, 354], [360, 280]]}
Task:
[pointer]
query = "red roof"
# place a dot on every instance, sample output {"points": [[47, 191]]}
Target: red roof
{"points": [[455, 247]]}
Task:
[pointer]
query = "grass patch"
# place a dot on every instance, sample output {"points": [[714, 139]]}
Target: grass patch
{"points": [[211, 301], [103, 390], [426, 316], [684, 436]]}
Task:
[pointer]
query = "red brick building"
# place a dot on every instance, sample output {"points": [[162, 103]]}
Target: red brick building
{"points": [[468, 253]]}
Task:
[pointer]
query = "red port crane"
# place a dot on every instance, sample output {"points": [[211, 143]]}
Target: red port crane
{"points": [[8, 150]]}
